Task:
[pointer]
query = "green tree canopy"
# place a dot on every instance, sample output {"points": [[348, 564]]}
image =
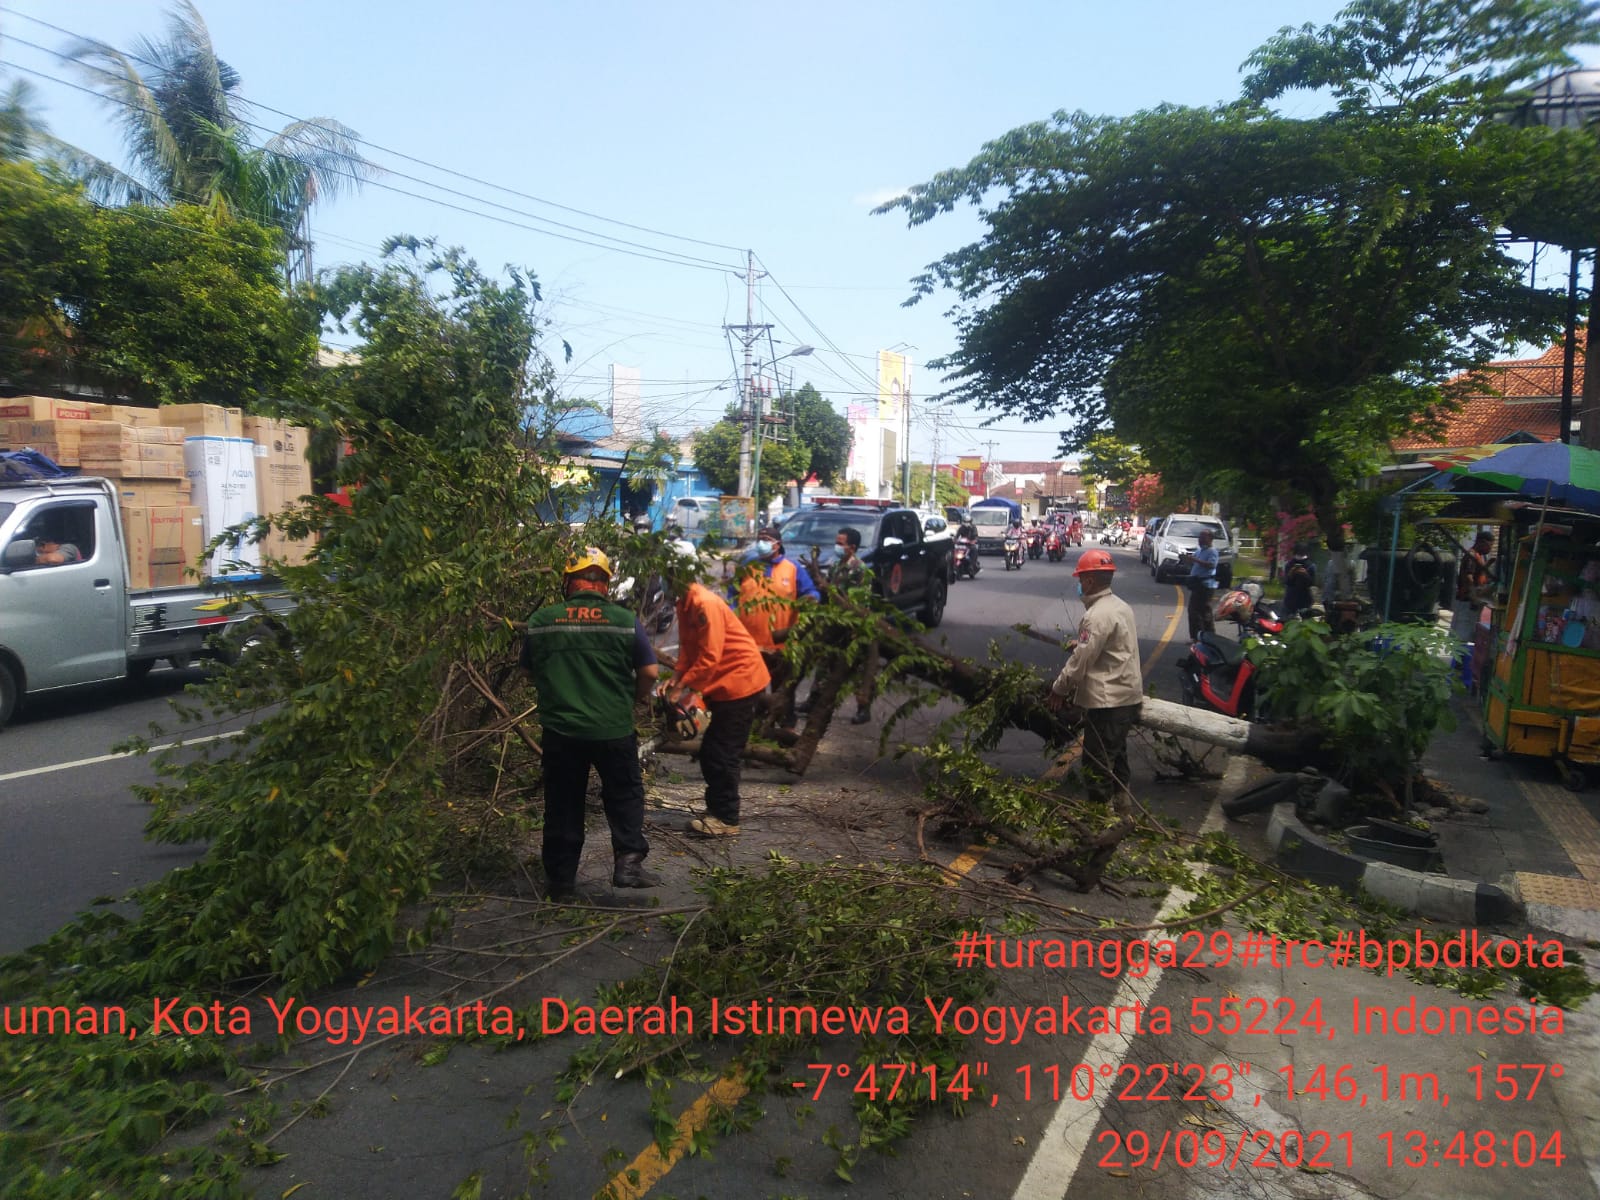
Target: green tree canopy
{"points": [[174, 305], [716, 455], [823, 430], [1237, 291], [188, 133]]}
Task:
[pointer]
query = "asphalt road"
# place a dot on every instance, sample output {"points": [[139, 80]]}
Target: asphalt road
{"points": [[1042, 595], [72, 831], [71, 828]]}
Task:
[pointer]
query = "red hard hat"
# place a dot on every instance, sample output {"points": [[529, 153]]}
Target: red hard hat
{"points": [[1095, 560]]}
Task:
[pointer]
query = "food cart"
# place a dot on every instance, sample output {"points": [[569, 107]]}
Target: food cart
{"points": [[1543, 697]]}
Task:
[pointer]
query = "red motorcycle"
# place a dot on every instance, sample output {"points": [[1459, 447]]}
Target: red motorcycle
{"points": [[1218, 675], [1035, 542], [1055, 546], [1075, 533]]}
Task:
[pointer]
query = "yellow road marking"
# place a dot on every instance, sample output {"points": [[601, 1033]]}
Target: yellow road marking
{"points": [[969, 858], [1172, 627], [646, 1171], [651, 1166]]}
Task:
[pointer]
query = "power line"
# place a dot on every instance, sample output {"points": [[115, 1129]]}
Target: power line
{"points": [[411, 158], [639, 249]]}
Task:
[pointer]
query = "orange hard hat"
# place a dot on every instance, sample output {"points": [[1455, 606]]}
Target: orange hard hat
{"points": [[1094, 560]]}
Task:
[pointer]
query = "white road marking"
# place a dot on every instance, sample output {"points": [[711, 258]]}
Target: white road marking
{"points": [[101, 758], [1062, 1145]]}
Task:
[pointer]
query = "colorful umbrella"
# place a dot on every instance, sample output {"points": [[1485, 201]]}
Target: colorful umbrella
{"points": [[1555, 472]]}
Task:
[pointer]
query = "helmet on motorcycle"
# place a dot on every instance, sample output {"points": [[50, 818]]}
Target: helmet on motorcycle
{"points": [[1236, 605], [1094, 560]]}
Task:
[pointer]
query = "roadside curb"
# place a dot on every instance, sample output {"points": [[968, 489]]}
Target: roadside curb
{"points": [[1459, 901]]}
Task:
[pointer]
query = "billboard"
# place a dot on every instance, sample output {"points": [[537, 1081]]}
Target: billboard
{"points": [[889, 463], [894, 380], [863, 468]]}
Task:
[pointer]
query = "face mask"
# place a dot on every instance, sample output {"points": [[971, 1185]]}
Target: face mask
{"points": [[764, 548], [1078, 583]]}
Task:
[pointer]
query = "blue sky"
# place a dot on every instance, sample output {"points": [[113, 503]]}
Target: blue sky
{"points": [[773, 128]]}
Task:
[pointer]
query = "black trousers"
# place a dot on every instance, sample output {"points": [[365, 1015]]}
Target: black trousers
{"points": [[566, 780], [722, 754], [1200, 616], [785, 683], [1105, 752]]}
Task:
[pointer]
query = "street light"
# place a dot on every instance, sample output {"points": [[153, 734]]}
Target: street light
{"points": [[750, 463]]}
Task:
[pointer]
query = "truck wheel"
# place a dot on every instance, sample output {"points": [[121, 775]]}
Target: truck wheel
{"points": [[140, 667], [933, 609], [8, 694]]}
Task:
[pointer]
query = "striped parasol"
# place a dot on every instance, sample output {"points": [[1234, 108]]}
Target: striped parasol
{"points": [[1555, 472]]}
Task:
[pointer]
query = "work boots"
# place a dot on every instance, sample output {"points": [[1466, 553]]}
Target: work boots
{"points": [[629, 872]]}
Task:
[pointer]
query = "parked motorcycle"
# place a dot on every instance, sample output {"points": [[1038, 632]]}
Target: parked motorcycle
{"points": [[1054, 547], [1013, 548], [965, 558], [1035, 543], [1255, 616], [1217, 675]]}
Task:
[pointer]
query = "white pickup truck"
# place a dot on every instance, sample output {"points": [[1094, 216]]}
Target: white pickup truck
{"points": [[68, 615]]}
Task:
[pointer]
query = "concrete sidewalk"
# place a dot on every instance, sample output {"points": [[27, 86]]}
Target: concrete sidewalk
{"points": [[1538, 840]]}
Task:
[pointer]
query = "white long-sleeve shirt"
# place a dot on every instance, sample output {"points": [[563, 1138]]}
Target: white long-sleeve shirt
{"points": [[1103, 669]]}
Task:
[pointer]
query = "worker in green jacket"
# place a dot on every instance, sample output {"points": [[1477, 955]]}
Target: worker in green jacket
{"points": [[590, 660]]}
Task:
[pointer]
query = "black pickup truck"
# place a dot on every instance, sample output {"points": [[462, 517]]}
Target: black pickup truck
{"points": [[908, 570]]}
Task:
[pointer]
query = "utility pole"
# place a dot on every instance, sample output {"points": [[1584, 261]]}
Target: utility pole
{"points": [[749, 403], [905, 474], [988, 458], [933, 467]]}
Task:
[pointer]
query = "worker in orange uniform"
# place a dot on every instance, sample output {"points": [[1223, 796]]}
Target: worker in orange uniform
{"points": [[718, 659], [765, 592]]}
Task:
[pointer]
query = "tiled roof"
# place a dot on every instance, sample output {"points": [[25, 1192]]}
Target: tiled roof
{"points": [[1520, 395]]}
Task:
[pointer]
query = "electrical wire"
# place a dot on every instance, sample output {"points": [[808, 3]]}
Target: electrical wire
{"points": [[638, 250], [407, 157]]}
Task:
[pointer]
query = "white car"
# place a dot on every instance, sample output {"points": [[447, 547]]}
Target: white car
{"points": [[693, 513], [1172, 550]]}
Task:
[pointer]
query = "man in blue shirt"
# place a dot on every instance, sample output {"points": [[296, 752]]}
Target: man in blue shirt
{"points": [[1202, 580]]}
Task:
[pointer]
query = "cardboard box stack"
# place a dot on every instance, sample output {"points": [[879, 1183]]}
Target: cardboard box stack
{"points": [[163, 544], [283, 475], [120, 451], [203, 420], [184, 472], [47, 425]]}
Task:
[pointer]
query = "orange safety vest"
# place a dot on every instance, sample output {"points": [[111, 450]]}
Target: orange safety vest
{"points": [[766, 600]]}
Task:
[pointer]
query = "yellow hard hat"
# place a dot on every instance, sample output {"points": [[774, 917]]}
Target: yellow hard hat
{"points": [[587, 558]]}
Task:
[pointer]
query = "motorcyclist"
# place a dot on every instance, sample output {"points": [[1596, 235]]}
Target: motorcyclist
{"points": [[1014, 533], [968, 532]]}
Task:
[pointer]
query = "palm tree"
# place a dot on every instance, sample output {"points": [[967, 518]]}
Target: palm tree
{"points": [[189, 135]]}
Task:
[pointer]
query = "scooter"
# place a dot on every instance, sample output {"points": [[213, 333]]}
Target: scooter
{"points": [[1075, 534], [1053, 546], [1035, 543], [966, 559], [1217, 675], [1013, 547]]}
